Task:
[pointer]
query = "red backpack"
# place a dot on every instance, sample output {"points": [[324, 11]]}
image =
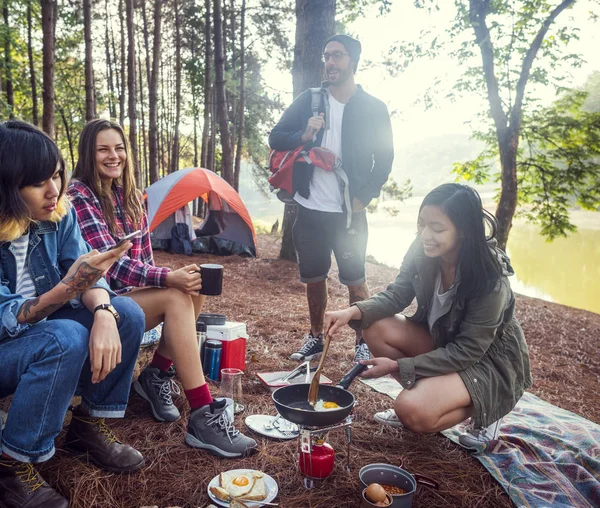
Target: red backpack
{"points": [[281, 162]]}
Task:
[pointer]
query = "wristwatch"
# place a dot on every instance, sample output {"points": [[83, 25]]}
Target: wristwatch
{"points": [[109, 308]]}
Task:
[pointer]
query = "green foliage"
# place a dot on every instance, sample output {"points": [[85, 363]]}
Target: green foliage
{"points": [[557, 159], [391, 191], [558, 163]]}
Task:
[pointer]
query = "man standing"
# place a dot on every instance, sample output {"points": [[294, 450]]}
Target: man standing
{"points": [[356, 127]]}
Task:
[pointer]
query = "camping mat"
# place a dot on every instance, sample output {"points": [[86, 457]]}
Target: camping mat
{"points": [[545, 456]]}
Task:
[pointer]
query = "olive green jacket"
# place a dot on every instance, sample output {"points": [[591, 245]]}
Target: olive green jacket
{"points": [[480, 338]]}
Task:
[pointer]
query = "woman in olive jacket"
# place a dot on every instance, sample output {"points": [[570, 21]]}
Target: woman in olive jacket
{"points": [[462, 354]]}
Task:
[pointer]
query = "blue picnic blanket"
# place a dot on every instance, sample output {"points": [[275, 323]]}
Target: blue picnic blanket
{"points": [[544, 456]]}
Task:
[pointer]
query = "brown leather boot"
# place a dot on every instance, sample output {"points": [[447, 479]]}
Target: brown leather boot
{"points": [[92, 438], [21, 486]]}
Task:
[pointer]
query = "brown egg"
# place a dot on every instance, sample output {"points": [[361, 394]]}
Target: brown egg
{"points": [[376, 493]]}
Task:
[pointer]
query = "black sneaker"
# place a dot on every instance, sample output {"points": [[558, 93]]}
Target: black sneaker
{"points": [[156, 386], [21, 486], [210, 428], [312, 347]]}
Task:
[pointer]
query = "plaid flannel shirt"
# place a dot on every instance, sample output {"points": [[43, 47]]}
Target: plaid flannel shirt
{"points": [[134, 269]]}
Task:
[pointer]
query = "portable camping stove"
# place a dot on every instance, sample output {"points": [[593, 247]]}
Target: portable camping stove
{"points": [[315, 456]]}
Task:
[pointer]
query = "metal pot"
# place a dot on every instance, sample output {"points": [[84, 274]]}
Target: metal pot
{"points": [[394, 475]]}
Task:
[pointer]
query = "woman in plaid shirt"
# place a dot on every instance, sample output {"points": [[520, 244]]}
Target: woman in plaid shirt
{"points": [[108, 207]]}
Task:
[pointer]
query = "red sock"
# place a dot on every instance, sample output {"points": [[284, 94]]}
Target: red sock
{"points": [[160, 362], [199, 396]]}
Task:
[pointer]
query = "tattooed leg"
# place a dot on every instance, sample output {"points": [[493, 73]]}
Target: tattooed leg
{"points": [[316, 293], [84, 278]]}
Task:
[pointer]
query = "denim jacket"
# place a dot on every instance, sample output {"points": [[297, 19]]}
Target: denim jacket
{"points": [[53, 248]]}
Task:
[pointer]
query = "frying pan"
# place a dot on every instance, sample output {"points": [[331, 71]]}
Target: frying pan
{"points": [[292, 401]]}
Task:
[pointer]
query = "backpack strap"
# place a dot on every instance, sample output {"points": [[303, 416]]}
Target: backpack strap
{"points": [[315, 101]]}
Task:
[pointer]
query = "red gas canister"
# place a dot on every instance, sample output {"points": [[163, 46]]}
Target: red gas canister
{"points": [[318, 463]]}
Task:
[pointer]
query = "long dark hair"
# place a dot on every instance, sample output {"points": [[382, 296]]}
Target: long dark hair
{"points": [[27, 156], [85, 171], [480, 269]]}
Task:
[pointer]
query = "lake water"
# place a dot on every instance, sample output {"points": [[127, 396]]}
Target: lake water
{"points": [[565, 271]]}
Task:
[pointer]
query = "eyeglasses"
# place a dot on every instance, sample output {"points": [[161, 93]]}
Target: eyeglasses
{"points": [[336, 56]]}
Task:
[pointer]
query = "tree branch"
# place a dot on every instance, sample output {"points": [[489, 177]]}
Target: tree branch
{"points": [[478, 10], [516, 113]]}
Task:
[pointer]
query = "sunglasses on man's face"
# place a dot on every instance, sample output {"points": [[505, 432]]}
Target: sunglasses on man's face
{"points": [[336, 56]]}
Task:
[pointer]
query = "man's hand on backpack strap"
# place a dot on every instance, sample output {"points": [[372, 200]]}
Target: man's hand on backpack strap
{"points": [[315, 124]]}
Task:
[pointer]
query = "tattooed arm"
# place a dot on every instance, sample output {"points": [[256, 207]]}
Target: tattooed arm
{"points": [[36, 309], [83, 274]]}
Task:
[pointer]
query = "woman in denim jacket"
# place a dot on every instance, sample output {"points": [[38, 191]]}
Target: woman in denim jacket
{"points": [[60, 325], [463, 353]]}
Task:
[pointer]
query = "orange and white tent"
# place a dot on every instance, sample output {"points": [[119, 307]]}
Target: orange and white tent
{"points": [[169, 194]]}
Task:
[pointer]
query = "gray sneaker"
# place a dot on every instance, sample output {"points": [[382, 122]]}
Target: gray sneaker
{"points": [[155, 387], [211, 429]]}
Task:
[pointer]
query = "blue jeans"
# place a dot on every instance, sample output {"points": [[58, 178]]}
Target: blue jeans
{"points": [[45, 366]]}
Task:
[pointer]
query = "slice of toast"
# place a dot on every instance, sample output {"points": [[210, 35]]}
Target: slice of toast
{"points": [[236, 503], [220, 493]]}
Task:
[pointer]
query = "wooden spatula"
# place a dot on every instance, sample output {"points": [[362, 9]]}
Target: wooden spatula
{"points": [[313, 391]]}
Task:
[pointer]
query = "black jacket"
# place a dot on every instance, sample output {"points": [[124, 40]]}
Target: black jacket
{"points": [[367, 144]]}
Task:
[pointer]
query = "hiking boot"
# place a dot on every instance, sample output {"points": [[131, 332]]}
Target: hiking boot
{"points": [[211, 429], [93, 438], [389, 417], [476, 438], [156, 386], [312, 347], [361, 352], [21, 486]]}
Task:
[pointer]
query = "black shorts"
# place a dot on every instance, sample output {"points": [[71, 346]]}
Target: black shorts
{"points": [[316, 234]]}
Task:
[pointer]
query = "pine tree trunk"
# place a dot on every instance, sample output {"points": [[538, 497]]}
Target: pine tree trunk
{"points": [[10, 99], [143, 153], [207, 108], [49, 10], [194, 84], [90, 94], [153, 94], [123, 65], [212, 146], [132, 112], [175, 148], [117, 71], [242, 103], [34, 98], [222, 110], [315, 21], [109, 68]]}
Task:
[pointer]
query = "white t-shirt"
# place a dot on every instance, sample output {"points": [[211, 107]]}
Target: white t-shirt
{"points": [[441, 302], [24, 286], [325, 194]]}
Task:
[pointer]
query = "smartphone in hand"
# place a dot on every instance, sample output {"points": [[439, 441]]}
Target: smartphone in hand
{"points": [[126, 238]]}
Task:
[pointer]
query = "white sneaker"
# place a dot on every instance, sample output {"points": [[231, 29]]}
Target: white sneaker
{"points": [[476, 438], [388, 417]]}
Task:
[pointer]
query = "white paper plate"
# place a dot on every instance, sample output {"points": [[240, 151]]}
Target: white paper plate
{"points": [[257, 424], [270, 484]]}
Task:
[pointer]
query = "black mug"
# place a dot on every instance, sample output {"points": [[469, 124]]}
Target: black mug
{"points": [[212, 279]]}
